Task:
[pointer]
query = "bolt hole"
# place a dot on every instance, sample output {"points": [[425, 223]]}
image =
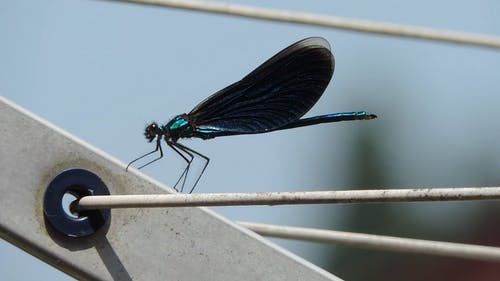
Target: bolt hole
{"points": [[67, 200]]}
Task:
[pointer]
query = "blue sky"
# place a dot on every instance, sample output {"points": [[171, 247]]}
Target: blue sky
{"points": [[102, 70]]}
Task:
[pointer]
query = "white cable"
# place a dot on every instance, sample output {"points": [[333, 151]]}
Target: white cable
{"points": [[280, 198], [369, 241], [328, 21]]}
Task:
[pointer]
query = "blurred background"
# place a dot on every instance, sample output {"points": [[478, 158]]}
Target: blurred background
{"points": [[103, 70]]}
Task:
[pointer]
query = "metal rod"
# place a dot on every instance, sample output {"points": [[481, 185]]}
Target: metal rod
{"points": [[489, 41], [282, 198], [378, 242]]}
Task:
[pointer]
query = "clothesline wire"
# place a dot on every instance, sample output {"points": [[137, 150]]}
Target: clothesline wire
{"points": [[358, 25], [378, 242], [281, 198]]}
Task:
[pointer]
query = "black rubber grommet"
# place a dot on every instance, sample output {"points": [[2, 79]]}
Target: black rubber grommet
{"points": [[80, 183]]}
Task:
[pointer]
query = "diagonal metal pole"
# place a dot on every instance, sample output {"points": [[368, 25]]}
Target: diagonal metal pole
{"points": [[145, 244]]}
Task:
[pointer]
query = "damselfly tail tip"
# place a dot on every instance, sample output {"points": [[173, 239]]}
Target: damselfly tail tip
{"points": [[363, 115]]}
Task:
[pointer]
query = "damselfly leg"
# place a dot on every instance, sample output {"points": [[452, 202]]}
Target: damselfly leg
{"points": [[184, 174], [158, 147], [190, 152]]}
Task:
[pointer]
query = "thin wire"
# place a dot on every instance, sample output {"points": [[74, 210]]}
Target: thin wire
{"points": [[281, 198], [328, 21], [386, 243]]}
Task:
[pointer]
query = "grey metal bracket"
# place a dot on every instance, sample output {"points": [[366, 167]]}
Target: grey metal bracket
{"points": [[138, 244]]}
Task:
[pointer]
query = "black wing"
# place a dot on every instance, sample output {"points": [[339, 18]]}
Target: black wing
{"points": [[279, 91]]}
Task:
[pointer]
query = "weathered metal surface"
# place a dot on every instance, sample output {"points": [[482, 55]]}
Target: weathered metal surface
{"points": [[139, 244]]}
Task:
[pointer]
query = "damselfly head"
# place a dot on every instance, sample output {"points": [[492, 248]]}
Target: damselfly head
{"points": [[152, 131]]}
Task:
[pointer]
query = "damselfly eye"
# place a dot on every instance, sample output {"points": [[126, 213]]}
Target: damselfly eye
{"points": [[151, 132]]}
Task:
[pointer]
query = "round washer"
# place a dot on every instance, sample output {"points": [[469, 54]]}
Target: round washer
{"points": [[79, 183]]}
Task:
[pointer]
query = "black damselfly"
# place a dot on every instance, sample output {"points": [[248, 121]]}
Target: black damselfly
{"points": [[272, 97]]}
